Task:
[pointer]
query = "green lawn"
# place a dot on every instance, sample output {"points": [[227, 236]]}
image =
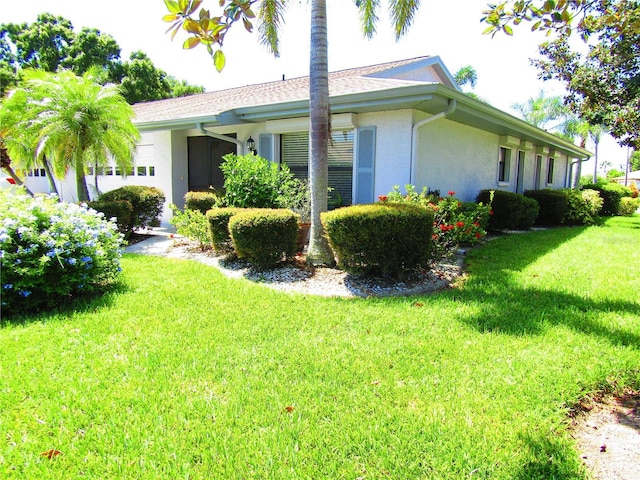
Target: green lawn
{"points": [[183, 373]]}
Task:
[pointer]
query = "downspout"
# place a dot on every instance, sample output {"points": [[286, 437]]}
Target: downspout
{"points": [[575, 181], [414, 135], [219, 136]]}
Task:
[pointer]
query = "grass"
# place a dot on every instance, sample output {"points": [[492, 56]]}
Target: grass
{"points": [[183, 373]]}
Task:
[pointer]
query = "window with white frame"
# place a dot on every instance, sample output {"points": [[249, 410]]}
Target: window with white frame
{"points": [[504, 164], [295, 154], [550, 165]]}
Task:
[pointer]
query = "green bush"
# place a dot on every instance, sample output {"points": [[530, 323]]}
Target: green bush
{"points": [[218, 223], [191, 224], [611, 194], [507, 208], [553, 205], [264, 236], [147, 204], [530, 212], [201, 201], [52, 252], [382, 239], [628, 206], [254, 182], [120, 210], [582, 207]]}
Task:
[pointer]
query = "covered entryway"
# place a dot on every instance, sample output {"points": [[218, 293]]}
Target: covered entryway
{"points": [[204, 157]]}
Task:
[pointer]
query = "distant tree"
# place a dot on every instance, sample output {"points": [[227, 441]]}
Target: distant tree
{"points": [[544, 112], [614, 172], [603, 83], [634, 161], [466, 76], [71, 121], [50, 43]]}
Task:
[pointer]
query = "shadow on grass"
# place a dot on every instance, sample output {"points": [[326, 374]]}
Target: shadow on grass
{"points": [[500, 305], [79, 304], [519, 311], [552, 459]]}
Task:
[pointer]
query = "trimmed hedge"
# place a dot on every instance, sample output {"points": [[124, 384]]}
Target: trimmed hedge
{"points": [[264, 236], [147, 204], [611, 194], [628, 206], [218, 220], [553, 205], [530, 211], [202, 201], [507, 207], [384, 238], [121, 210]]}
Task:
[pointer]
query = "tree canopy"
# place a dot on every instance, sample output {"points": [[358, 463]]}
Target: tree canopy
{"points": [[602, 76], [50, 44]]}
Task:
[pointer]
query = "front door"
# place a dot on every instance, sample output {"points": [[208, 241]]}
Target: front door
{"points": [[205, 156]]}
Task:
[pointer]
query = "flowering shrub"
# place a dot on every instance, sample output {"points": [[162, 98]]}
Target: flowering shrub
{"points": [[455, 222], [51, 251]]}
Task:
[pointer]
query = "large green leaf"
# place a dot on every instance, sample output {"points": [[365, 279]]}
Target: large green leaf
{"points": [[219, 60]]}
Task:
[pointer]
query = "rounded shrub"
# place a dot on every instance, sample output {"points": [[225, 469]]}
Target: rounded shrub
{"points": [[147, 204], [530, 212], [382, 239], [51, 252], [120, 211], [628, 206], [583, 207], [191, 224], [201, 201], [553, 205], [507, 208], [264, 236], [218, 221], [611, 194]]}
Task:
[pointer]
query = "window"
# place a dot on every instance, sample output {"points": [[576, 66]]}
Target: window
{"points": [[37, 172], [536, 172], [152, 171], [504, 164], [550, 165], [295, 154], [142, 171]]}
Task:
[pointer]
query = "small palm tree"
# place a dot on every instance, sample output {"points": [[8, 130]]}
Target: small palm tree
{"points": [[70, 121]]}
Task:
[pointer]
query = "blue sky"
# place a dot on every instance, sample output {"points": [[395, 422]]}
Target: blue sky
{"points": [[450, 29]]}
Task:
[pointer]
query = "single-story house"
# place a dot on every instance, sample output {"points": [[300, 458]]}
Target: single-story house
{"points": [[627, 180], [397, 123]]}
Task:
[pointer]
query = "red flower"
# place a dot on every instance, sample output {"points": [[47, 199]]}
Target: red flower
{"points": [[478, 235], [451, 193], [490, 212], [476, 224], [434, 236], [459, 224], [382, 198]]}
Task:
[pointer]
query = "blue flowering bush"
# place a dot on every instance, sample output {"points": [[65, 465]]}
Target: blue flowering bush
{"points": [[51, 252]]}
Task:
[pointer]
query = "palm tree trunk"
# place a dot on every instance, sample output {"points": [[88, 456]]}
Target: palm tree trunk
{"points": [[5, 162], [319, 252], [81, 181], [52, 182]]}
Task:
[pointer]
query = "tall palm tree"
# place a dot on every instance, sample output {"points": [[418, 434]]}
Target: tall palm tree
{"points": [[71, 121], [211, 31]]}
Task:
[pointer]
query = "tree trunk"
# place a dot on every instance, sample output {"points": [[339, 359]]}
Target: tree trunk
{"points": [[81, 182], [52, 182], [319, 252], [5, 163]]}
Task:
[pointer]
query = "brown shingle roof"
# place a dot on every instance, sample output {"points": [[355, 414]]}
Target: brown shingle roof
{"points": [[343, 82]]}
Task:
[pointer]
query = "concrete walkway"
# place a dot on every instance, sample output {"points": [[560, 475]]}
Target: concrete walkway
{"points": [[158, 243]]}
